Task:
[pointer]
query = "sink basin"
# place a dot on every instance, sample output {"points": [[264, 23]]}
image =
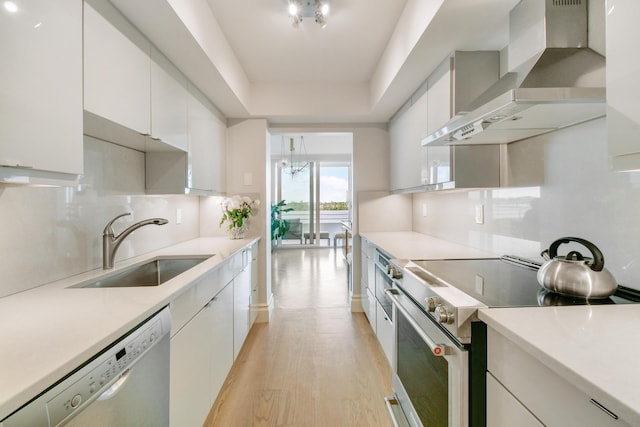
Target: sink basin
{"points": [[152, 273]]}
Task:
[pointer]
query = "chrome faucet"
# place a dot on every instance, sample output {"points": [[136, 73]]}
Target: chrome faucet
{"points": [[110, 242]]}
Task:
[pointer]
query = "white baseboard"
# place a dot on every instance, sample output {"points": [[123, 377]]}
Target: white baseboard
{"points": [[263, 311]]}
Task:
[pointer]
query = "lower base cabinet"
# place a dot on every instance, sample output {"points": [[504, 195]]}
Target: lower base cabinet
{"points": [[369, 306], [201, 357], [503, 409], [241, 303], [519, 384], [385, 333]]}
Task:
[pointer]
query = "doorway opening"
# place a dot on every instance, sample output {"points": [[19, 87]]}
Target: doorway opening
{"points": [[312, 180]]}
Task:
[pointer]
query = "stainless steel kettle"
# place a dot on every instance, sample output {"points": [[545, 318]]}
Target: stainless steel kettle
{"points": [[575, 275]]}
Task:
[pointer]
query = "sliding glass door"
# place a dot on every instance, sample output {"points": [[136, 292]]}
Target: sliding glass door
{"points": [[319, 196]]}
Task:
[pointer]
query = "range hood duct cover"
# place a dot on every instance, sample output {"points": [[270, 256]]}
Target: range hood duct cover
{"points": [[554, 79]]}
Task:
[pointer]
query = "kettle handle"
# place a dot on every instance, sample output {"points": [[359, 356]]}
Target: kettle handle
{"points": [[598, 258]]}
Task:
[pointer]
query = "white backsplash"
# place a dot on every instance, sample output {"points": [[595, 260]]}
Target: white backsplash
{"points": [[52, 233], [579, 198]]}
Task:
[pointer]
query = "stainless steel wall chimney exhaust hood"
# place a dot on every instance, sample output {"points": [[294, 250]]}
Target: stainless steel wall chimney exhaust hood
{"points": [[555, 81]]}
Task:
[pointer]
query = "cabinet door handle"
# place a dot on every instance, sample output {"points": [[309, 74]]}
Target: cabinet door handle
{"points": [[605, 410], [17, 165]]}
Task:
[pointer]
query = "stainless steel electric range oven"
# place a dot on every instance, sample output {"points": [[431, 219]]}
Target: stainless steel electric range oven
{"points": [[440, 363]]}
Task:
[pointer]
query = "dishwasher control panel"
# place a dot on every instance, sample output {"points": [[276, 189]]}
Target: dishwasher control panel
{"points": [[102, 377]]}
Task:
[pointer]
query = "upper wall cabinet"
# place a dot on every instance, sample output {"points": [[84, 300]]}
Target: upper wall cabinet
{"points": [[623, 85], [406, 130], [168, 102], [207, 149], [117, 68], [458, 81], [129, 85], [454, 84], [41, 87], [202, 171]]}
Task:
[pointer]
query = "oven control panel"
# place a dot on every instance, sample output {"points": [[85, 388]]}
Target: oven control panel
{"points": [[446, 305]]}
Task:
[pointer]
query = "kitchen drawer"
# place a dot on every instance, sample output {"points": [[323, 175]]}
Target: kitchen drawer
{"points": [[552, 399], [370, 309], [189, 303], [504, 410], [385, 333]]}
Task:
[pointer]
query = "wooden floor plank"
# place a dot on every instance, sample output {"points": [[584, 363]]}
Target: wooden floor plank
{"points": [[316, 363]]}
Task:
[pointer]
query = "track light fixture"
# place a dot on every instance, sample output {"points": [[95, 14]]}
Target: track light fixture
{"points": [[316, 9]]}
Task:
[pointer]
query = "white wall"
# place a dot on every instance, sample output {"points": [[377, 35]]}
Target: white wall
{"points": [[579, 197], [52, 233], [247, 163]]}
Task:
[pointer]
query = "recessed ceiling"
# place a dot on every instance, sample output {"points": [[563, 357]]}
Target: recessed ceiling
{"points": [[270, 49], [250, 61]]}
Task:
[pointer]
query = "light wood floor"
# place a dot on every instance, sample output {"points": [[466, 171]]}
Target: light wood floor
{"points": [[315, 363]]}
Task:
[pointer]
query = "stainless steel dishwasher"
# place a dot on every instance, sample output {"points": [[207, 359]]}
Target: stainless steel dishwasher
{"points": [[125, 385]]}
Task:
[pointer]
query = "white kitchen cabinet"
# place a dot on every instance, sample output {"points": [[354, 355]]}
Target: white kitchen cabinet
{"points": [[385, 333], [117, 68], [41, 87], [242, 303], [406, 131], [504, 410], [550, 398], [369, 307], [221, 316], [200, 168], [367, 280], [201, 357], [623, 85], [254, 284], [457, 82], [207, 162], [453, 85], [190, 369], [169, 121]]}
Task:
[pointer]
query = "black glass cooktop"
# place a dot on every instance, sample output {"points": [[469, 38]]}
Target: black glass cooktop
{"points": [[500, 283]]}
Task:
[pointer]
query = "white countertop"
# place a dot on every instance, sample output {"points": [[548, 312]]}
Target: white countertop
{"points": [[48, 331], [593, 347], [412, 245]]}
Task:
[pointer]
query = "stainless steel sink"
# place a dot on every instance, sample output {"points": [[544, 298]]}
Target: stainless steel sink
{"points": [[152, 273]]}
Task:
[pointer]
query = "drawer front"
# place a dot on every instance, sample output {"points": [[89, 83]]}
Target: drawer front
{"points": [[385, 333], [504, 410], [552, 399], [189, 303]]}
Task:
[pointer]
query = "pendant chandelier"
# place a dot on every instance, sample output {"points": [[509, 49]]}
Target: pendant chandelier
{"points": [[316, 9], [294, 161]]}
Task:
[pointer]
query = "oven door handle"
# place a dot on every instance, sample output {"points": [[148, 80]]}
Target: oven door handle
{"points": [[436, 349]]}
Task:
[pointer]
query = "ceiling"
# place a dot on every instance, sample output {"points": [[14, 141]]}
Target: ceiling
{"points": [[270, 49], [250, 62]]}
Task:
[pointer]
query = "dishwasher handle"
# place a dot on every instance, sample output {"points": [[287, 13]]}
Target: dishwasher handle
{"points": [[115, 387]]}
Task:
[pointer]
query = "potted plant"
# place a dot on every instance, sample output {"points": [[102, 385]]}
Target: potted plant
{"points": [[279, 225], [236, 211]]}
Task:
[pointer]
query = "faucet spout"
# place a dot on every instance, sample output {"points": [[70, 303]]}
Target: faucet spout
{"points": [[111, 242]]}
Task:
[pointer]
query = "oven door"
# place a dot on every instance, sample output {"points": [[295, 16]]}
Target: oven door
{"points": [[431, 374]]}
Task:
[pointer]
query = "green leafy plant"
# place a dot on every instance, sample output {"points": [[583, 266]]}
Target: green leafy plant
{"points": [[279, 225], [236, 210]]}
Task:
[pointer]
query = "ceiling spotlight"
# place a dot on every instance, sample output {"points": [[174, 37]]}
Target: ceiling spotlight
{"points": [[294, 8], [324, 8], [316, 9]]}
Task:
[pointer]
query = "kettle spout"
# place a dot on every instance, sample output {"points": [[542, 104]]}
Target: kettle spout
{"points": [[545, 255]]}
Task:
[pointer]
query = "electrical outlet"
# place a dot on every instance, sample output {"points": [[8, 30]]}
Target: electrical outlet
{"points": [[178, 216], [424, 209], [479, 214]]}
